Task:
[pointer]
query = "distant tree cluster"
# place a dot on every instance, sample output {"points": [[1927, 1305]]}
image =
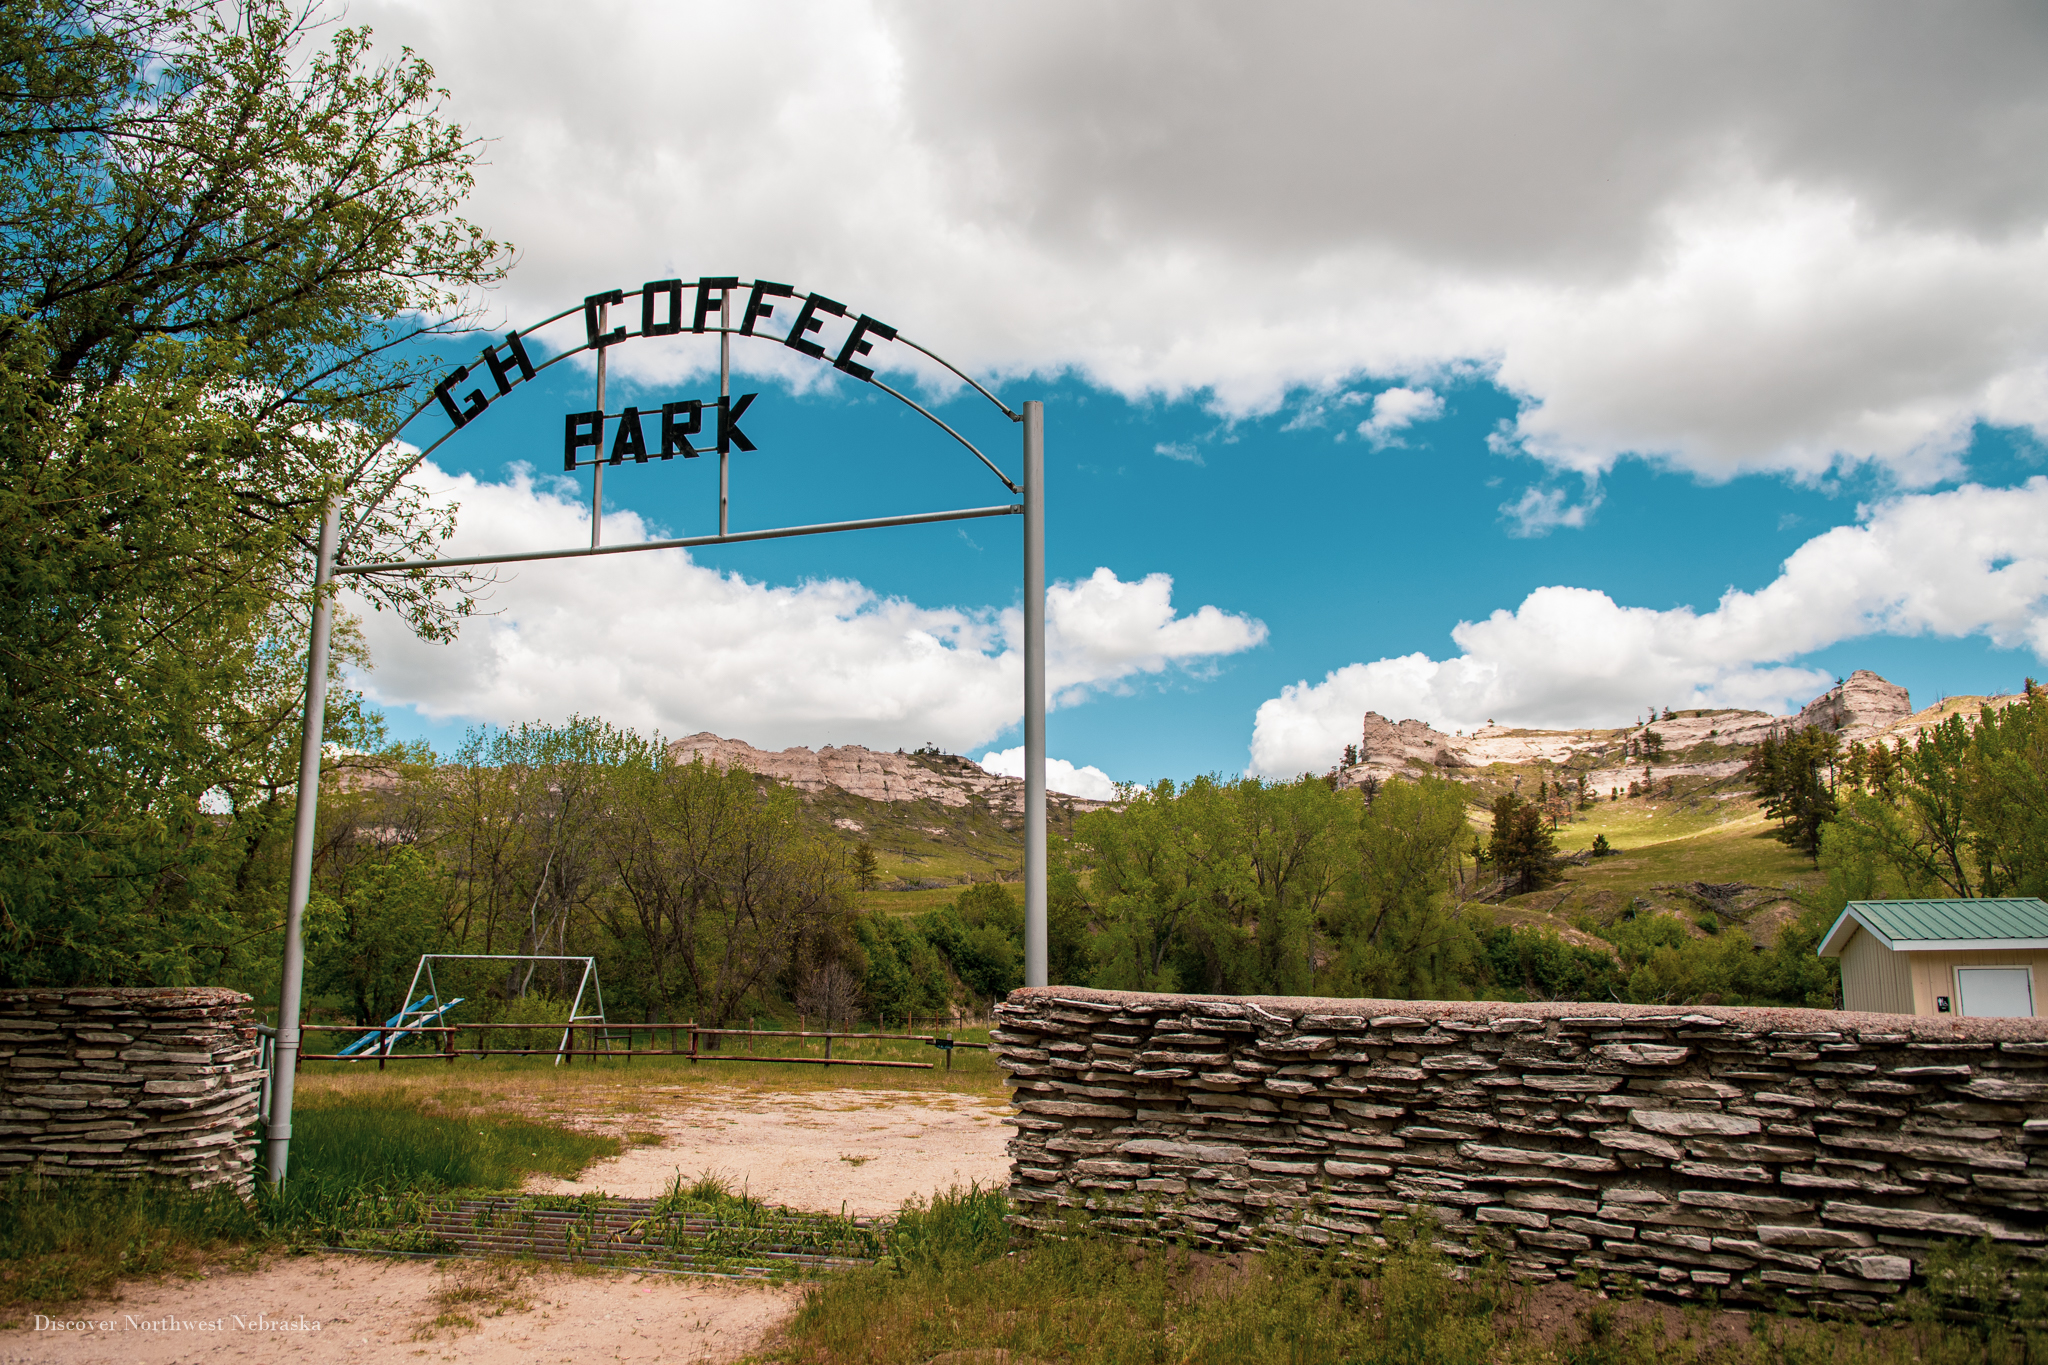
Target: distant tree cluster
{"points": [[1960, 811]]}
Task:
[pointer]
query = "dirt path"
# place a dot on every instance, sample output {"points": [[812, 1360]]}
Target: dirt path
{"points": [[864, 1150], [317, 1309]]}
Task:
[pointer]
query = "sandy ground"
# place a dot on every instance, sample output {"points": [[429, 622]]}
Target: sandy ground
{"points": [[318, 1309], [864, 1150]]}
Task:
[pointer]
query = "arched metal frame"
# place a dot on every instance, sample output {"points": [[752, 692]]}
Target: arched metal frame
{"points": [[506, 366]]}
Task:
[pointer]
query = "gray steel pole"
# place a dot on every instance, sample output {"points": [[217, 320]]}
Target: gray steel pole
{"points": [[724, 393], [604, 317], [1034, 694], [285, 1058]]}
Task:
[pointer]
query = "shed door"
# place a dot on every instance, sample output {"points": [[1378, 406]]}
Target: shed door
{"points": [[1995, 992]]}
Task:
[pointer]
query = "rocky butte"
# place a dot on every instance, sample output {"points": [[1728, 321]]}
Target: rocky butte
{"points": [[1698, 743], [947, 779]]}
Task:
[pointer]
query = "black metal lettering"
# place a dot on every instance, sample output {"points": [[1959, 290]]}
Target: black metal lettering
{"points": [[763, 289], [630, 440], [501, 368], [675, 436], [581, 429], [856, 345], [729, 414], [808, 321], [590, 307], [711, 292], [473, 403], [648, 293]]}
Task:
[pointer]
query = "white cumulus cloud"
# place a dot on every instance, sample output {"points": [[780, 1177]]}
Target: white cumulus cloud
{"points": [[1540, 511], [1973, 561], [1735, 237], [1396, 409], [657, 641], [1060, 775]]}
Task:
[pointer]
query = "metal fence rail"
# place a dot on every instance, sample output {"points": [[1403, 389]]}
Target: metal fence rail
{"points": [[598, 1044]]}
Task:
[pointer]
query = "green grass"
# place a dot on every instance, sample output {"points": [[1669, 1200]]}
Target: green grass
{"points": [[1702, 835], [395, 1141], [907, 902], [62, 1240], [955, 1290], [614, 1080], [362, 1172]]}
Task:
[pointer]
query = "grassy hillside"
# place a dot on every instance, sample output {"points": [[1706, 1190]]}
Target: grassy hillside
{"points": [[1707, 855], [1705, 831], [928, 850]]}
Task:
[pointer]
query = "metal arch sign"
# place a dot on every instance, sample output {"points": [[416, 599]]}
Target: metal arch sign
{"points": [[639, 436], [504, 366]]}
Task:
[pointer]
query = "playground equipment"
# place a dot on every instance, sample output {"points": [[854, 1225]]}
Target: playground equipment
{"points": [[426, 1010], [586, 984]]}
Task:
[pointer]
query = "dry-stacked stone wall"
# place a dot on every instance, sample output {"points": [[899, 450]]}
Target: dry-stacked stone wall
{"points": [[1748, 1152], [158, 1082]]}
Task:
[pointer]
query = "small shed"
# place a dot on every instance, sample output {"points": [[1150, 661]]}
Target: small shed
{"points": [[1978, 958]]}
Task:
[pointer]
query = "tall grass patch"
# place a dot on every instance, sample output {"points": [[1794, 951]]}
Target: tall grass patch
{"points": [[400, 1142], [380, 1162], [66, 1239], [954, 1284]]}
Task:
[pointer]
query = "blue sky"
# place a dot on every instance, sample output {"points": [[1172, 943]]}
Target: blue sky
{"points": [[1775, 337]]}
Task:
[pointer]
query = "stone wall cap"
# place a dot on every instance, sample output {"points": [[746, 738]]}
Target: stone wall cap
{"points": [[1926, 1030], [181, 996]]}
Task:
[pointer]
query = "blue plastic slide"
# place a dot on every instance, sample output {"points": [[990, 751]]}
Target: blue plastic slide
{"points": [[420, 1013]]}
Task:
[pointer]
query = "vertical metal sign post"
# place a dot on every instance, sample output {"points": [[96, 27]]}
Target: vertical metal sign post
{"points": [[604, 312], [772, 313], [724, 396], [285, 1059], [1034, 694]]}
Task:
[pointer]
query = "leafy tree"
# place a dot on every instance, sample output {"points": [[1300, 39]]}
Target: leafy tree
{"points": [[1288, 832], [1069, 922], [1962, 811], [1538, 964], [867, 869], [1522, 847], [906, 974], [1174, 889], [1397, 932], [1792, 776], [721, 881], [210, 226], [981, 936], [365, 930], [2006, 800]]}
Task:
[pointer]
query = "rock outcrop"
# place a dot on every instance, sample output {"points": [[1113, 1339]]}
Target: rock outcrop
{"points": [[945, 778], [1862, 706], [1857, 708]]}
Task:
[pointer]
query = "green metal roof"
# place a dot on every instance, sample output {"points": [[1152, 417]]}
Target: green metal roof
{"points": [[1912, 926]]}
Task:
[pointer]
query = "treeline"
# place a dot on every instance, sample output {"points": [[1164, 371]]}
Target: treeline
{"points": [[1960, 811], [713, 895], [703, 893], [1253, 887]]}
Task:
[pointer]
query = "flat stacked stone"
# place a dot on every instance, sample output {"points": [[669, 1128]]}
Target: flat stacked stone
{"points": [[1748, 1152], [159, 1082]]}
